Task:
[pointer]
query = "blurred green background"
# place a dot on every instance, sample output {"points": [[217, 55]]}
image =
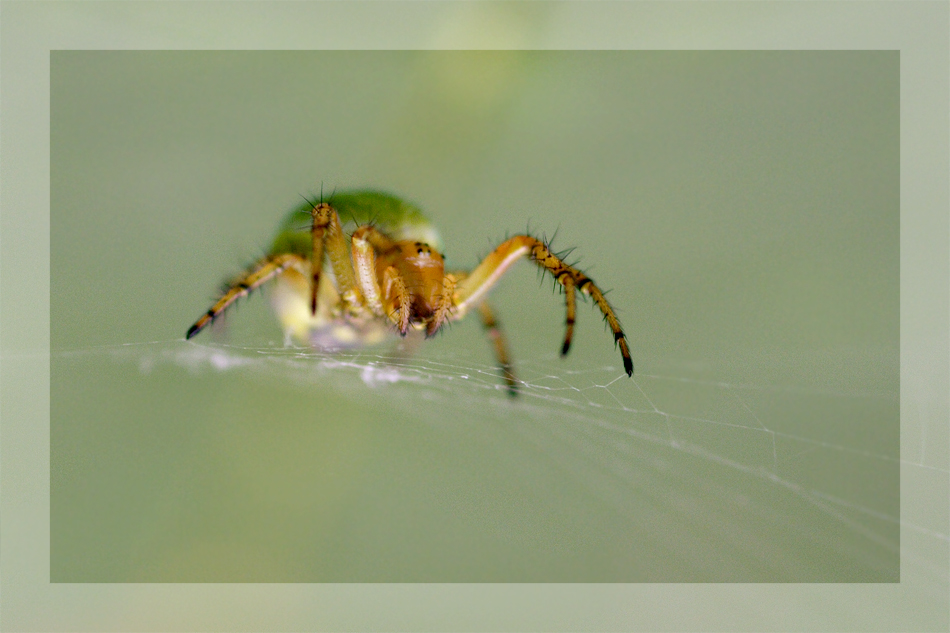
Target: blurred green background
{"points": [[742, 206]]}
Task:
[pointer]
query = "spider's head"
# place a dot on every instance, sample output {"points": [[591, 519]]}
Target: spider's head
{"points": [[423, 269], [418, 283]]}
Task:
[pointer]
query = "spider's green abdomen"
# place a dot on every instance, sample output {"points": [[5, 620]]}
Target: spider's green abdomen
{"points": [[391, 215]]}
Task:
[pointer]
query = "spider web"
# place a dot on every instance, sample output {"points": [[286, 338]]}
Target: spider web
{"points": [[703, 474]]}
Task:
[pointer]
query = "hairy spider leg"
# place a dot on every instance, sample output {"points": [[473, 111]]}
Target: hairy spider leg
{"points": [[259, 273], [471, 289], [327, 233], [500, 345]]}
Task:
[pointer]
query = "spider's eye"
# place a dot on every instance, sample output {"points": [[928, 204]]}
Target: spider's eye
{"points": [[423, 249]]}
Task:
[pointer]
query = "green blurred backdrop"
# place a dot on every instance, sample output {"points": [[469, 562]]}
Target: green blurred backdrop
{"points": [[743, 207]]}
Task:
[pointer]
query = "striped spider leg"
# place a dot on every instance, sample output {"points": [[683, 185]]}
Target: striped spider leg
{"points": [[298, 272], [473, 287], [259, 273]]}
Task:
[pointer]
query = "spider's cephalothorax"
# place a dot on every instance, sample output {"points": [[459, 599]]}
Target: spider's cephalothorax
{"points": [[389, 275]]}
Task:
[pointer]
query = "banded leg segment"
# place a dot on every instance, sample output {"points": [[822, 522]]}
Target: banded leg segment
{"points": [[500, 346], [261, 272], [471, 289], [571, 301]]}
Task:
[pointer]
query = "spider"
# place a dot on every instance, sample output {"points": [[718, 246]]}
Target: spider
{"points": [[389, 275]]}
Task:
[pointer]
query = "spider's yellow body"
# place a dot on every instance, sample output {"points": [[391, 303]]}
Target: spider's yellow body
{"points": [[387, 275]]}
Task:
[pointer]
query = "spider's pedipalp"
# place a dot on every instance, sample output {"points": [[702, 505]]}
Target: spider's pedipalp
{"points": [[445, 305], [364, 266], [394, 286]]}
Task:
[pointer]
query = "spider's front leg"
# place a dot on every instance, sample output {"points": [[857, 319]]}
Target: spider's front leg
{"points": [[471, 289], [326, 231]]}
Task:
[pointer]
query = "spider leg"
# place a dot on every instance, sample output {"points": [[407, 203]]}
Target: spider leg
{"points": [[327, 232], [471, 289], [571, 301], [501, 347], [261, 272], [366, 241]]}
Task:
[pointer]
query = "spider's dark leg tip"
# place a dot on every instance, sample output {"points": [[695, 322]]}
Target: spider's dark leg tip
{"points": [[194, 329], [628, 366], [565, 348]]}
